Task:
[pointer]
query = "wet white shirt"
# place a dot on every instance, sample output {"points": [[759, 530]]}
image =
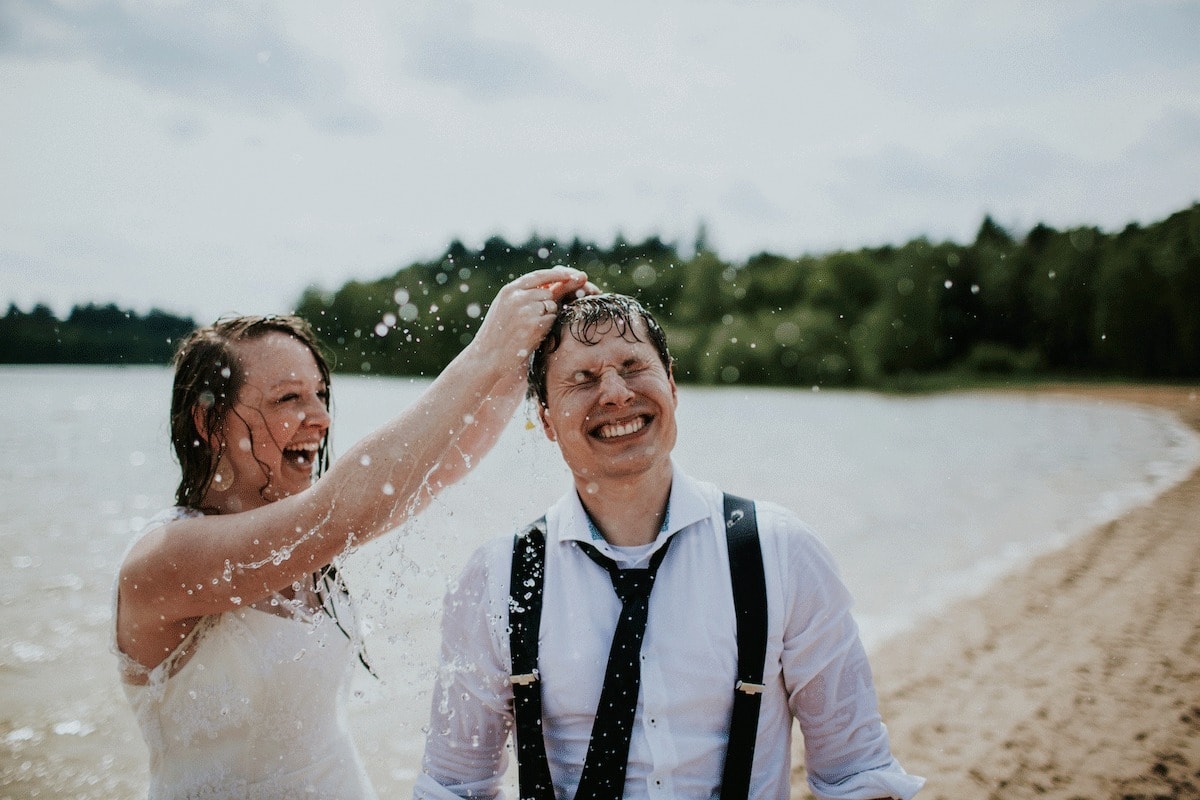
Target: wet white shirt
{"points": [[816, 668]]}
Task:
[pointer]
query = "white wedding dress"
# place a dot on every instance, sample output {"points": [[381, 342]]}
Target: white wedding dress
{"points": [[257, 711]]}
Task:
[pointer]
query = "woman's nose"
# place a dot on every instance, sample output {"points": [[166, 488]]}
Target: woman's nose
{"points": [[315, 414]]}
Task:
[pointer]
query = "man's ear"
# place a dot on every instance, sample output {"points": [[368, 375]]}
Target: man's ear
{"points": [[671, 380], [547, 428]]}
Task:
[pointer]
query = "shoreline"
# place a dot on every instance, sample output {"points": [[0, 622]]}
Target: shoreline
{"points": [[1076, 676]]}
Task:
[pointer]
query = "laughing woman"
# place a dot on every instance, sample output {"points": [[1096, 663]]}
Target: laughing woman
{"points": [[235, 639]]}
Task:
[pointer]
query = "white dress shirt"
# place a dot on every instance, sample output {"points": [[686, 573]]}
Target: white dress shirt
{"points": [[816, 668]]}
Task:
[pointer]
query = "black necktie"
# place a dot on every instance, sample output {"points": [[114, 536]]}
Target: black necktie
{"points": [[603, 775]]}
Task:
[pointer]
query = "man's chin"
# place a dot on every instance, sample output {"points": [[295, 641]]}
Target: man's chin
{"points": [[623, 470]]}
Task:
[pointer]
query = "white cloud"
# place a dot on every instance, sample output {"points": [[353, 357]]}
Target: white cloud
{"points": [[220, 156], [228, 55], [445, 47]]}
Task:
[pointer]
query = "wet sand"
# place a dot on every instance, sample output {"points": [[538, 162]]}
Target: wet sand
{"points": [[1075, 677]]}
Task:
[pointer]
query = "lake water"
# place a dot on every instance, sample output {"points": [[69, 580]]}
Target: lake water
{"points": [[921, 500]]}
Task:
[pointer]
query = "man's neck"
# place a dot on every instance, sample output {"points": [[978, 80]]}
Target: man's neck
{"points": [[628, 513]]}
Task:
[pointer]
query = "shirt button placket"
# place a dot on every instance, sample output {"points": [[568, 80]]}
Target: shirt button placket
{"points": [[657, 728]]}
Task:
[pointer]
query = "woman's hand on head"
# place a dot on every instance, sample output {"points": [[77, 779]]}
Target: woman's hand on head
{"points": [[524, 309]]}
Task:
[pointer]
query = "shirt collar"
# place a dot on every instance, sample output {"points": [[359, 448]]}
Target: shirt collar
{"points": [[686, 505]]}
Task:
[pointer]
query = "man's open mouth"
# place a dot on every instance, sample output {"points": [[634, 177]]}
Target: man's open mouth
{"points": [[613, 430]]}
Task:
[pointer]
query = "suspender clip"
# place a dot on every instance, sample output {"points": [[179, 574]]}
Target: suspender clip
{"points": [[750, 688], [524, 679]]}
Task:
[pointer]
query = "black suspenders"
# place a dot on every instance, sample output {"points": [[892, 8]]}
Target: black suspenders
{"points": [[524, 622], [750, 605]]}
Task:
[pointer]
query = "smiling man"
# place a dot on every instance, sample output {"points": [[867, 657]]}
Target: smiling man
{"points": [[650, 636]]}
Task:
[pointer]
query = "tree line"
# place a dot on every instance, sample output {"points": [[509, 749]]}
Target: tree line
{"points": [[1077, 303], [1063, 303], [90, 334]]}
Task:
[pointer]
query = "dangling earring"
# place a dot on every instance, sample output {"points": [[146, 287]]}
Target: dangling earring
{"points": [[529, 413], [223, 477]]}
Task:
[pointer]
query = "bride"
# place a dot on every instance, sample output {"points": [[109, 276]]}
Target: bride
{"points": [[235, 638]]}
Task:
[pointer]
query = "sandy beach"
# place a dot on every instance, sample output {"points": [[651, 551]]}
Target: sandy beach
{"points": [[1075, 677]]}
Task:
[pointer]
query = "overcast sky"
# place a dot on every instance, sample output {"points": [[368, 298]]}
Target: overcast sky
{"points": [[220, 156]]}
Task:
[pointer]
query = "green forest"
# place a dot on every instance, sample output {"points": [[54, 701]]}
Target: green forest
{"points": [[91, 334], [1062, 304]]}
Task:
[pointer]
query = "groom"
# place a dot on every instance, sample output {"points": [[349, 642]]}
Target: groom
{"points": [[649, 637]]}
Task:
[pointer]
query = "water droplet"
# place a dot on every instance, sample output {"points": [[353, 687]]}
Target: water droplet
{"points": [[644, 275], [787, 333], [20, 735], [388, 489]]}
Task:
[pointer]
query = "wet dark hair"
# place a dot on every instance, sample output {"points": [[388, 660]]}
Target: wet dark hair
{"points": [[589, 318], [209, 376]]}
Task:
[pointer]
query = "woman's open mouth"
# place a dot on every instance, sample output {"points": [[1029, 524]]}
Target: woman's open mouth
{"points": [[302, 455]]}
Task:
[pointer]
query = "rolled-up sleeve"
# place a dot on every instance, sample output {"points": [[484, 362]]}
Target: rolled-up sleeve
{"points": [[828, 678], [471, 714]]}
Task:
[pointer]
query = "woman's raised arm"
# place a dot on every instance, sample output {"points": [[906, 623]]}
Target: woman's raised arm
{"points": [[204, 565]]}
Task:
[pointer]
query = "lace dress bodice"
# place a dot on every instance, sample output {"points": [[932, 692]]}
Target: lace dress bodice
{"points": [[257, 711]]}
